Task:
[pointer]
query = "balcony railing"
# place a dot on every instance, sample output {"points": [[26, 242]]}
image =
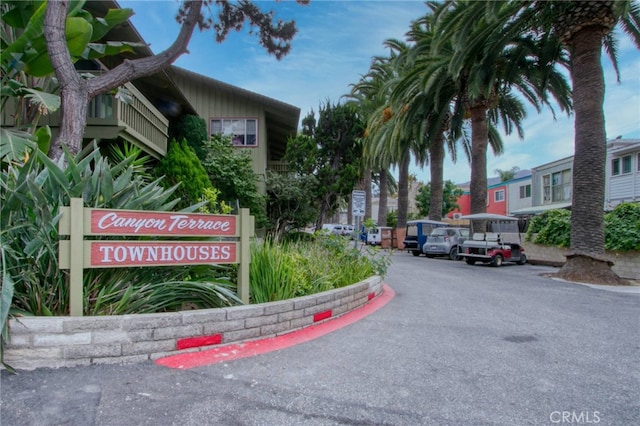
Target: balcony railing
{"points": [[278, 166], [140, 121], [108, 117]]}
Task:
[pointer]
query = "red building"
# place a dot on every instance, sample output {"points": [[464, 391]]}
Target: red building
{"points": [[497, 194]]}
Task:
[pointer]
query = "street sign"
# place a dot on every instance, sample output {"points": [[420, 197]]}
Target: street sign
{"points": [[358, 203]]}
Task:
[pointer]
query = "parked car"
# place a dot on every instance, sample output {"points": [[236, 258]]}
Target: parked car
{"points": [[338, 229], [492, 246], [349, 231], [328, 227], [417, 233], [445, 242]]}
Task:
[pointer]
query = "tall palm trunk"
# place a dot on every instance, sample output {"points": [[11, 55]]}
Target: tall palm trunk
{"points": [[436, 169], [367, 192], [383, 201], [403, 190], [587, 255], [479, 143]]}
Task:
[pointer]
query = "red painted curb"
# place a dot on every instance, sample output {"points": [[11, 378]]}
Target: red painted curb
{"points": [[195, 342], [322, 316], [257, 347]]}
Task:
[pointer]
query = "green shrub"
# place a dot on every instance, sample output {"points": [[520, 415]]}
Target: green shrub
{"points": [[273, 273], [193, 129], [181, 166], [541, 221], [292, 269], [230, 170], [391, 219], [622, 227]]}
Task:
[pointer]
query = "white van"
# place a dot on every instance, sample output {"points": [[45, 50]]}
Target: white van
{"points": [[328, 227], [374, 236], [338, 229]]}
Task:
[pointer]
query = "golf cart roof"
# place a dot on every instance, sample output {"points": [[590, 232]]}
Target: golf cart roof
{"points": [[431, 222], [489, 216]]}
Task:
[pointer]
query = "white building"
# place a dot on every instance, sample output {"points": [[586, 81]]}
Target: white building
{"points": [[623, 172]]}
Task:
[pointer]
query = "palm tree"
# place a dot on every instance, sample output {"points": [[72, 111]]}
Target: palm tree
{"points": [[381, 147], [583, 28], [368, 95], [422, 96], [578, 30], [506, 175], [490, 64]]}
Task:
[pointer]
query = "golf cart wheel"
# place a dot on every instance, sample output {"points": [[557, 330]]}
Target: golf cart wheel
{"points": [[471, 262], [415, 252], [454, 254], [523, 259], [497, 260]]}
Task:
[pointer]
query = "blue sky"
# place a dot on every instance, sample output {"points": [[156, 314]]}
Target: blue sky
{"points": [[333, 49]]}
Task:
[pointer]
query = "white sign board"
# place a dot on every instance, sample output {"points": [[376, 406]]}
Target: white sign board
{"points": [[358, 203]]}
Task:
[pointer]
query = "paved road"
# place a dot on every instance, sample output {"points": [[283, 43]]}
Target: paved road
{"points": [[458, 345]]}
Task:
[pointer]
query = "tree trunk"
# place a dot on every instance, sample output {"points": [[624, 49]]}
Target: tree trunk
{"points": [[479, 143], [383, 201], [436, 168], [403, 190], [75, 91], [587, 210], [367, 192]]}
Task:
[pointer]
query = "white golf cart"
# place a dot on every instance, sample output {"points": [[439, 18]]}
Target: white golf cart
{"points": [[491, 245]]}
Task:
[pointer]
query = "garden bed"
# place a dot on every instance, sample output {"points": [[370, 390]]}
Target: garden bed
{"points": [[52, 342]]}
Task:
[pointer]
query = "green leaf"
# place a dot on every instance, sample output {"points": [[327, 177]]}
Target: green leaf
{"points": [[6, 295], [46, 102], [106, 186], [33, 30], [78, 33], [111, 48], [14, 144], [43, 137], [101, 26], [54, 170], [21, 13]]}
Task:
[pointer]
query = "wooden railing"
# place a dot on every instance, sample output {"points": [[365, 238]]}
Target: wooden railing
{"points": [[139, 118], [278, 166]]}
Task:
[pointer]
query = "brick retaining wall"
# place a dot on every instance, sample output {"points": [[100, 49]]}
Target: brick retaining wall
{"points": [[625, 264], [54, 342]]}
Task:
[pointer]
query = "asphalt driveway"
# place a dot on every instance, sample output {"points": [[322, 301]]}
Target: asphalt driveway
{"points": [[458, 345]]}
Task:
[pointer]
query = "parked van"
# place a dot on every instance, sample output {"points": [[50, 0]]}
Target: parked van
{"points": [[376, 235], [338, 229], [418, 232], [328, 227]]}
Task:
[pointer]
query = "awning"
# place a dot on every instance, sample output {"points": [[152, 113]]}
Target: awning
{"points": [[540, 209]]}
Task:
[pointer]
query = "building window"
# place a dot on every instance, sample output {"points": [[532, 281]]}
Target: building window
{"points": [[556, 187], [621, 165], [525, 191], [498, 196], [242, 131], [638, 162], [626, 164]]}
